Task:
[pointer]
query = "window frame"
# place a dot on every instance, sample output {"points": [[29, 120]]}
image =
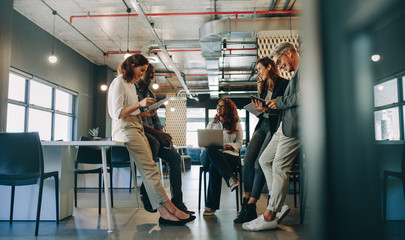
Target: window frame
{"points": [[400, 105], [27, 105]]}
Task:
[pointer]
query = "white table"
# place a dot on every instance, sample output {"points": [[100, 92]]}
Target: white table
{"points": [[68, 156]]}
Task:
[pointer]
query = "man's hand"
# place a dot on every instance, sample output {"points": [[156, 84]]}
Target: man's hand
{"points": [[272, 104], [149, 113], [228, 147], [259, 106]]}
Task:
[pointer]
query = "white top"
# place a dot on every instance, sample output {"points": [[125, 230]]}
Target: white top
{"points": [[235, 139], [120, 94]]}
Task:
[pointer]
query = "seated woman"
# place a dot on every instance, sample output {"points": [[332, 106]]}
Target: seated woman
{"points": [[221, 162], [270, 86], [124, 109]]}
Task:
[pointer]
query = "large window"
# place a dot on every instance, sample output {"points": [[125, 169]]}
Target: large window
{"points": [[389, 106], [37, 105]]}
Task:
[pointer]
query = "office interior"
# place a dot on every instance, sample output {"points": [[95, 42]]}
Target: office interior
{"points": [[351, 118]]}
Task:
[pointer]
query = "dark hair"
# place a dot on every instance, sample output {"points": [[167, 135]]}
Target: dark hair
{"points": [[274, 73], [125, 67], [230, 116]]}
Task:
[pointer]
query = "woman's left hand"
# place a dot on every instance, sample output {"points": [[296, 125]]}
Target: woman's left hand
{"points": [[259, 106]]}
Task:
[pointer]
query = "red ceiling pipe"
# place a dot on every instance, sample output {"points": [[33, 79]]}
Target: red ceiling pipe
{"points": [[184, 14], [203, 75], [177, 50], [120, 52]]}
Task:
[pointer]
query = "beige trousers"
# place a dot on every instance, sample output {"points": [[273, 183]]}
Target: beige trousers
{"points": [[276, 159], [138, 147]]}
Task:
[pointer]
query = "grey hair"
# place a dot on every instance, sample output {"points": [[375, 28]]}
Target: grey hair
{"points": [[281, 48]]}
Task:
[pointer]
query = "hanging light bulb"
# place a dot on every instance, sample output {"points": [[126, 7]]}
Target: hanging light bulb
{"points": [[127, 55], [172, 109], [53, 58], [155, 85], [103, 87]]}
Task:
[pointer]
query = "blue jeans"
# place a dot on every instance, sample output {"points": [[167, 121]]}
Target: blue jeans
{"points": [[219, 165], [254, 179]]}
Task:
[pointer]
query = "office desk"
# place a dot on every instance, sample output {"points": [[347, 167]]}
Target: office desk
{"points": [[58, 155]]}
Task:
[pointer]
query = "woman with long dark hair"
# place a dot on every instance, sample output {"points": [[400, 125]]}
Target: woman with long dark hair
{"points": [[221, 162], [125, 111], [269, 85]]}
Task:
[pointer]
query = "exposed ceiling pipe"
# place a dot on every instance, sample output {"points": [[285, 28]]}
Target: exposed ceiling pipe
{"points": [[181, 50], [191, 44], [287, 2], [187, 14], [141, 14]]}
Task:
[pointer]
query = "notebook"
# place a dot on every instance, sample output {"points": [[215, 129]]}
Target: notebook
{"points": [[208, 137]]}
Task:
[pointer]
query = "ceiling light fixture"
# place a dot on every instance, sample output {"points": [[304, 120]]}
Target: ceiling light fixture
{"points": [[127, 54], [53, 58], [375, 58], [103, 87], [155, 85]]}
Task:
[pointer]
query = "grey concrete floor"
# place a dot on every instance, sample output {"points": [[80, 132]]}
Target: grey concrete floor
{"points": [[130, 222]]}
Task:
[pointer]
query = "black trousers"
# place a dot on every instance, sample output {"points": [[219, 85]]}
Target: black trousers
{"points": [[173, 159]]}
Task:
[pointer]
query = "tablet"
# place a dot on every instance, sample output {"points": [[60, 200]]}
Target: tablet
{"points": [[258, 99], [158, 104]]}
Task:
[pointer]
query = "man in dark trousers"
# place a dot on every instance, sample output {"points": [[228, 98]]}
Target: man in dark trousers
{"points": [[161, 146]]}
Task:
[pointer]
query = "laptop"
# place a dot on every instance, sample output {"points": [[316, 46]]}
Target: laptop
{"points": [[208, 137]]}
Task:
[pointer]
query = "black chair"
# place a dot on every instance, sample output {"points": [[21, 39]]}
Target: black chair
{"points": [[237, 172], [91, 155], [22, 163], [400, 175], [120, 158], [294, 173]]}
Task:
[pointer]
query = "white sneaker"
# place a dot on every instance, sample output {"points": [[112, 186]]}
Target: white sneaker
{"points": [[283, 213], [209, 212], [259, 224]]}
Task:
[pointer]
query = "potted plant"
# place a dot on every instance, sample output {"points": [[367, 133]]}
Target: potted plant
{"points": [[94, 133]]}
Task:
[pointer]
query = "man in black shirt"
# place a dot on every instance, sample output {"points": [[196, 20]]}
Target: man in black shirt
{"points": [[161, 146]]}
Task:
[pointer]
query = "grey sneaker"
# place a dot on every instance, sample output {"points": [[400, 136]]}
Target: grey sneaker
{"points": [[283, 213], [233, 183], [259, 224], [209, 211]]}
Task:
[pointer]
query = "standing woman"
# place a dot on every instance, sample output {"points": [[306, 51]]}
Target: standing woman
{"points": [[270, 85], [124, 109], [221, 162]]}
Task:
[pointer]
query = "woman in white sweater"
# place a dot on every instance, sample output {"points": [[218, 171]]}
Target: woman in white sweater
{"points": [[221, 162], [126, 112]]}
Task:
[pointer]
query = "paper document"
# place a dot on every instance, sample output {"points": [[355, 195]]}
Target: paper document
{"points": [[251, 108], [158, 104]]}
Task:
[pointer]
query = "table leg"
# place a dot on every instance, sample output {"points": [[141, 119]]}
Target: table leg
{"points": [[106, 186]]}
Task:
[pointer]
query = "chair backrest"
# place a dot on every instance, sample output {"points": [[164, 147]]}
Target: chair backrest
{"points": [[20, 157], [89, 154], [119, 154]]}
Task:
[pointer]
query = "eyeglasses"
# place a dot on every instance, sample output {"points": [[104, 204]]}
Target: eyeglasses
{"points": [[278, 62], [220, 106]]}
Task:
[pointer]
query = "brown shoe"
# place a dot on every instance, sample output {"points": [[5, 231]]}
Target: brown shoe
{"points": [[233, 183]]}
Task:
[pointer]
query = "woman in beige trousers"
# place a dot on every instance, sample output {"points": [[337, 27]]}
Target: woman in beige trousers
{"points": [[125, 111]]}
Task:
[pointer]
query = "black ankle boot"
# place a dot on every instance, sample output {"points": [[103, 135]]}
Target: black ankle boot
{"points": [[247, 213]]}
